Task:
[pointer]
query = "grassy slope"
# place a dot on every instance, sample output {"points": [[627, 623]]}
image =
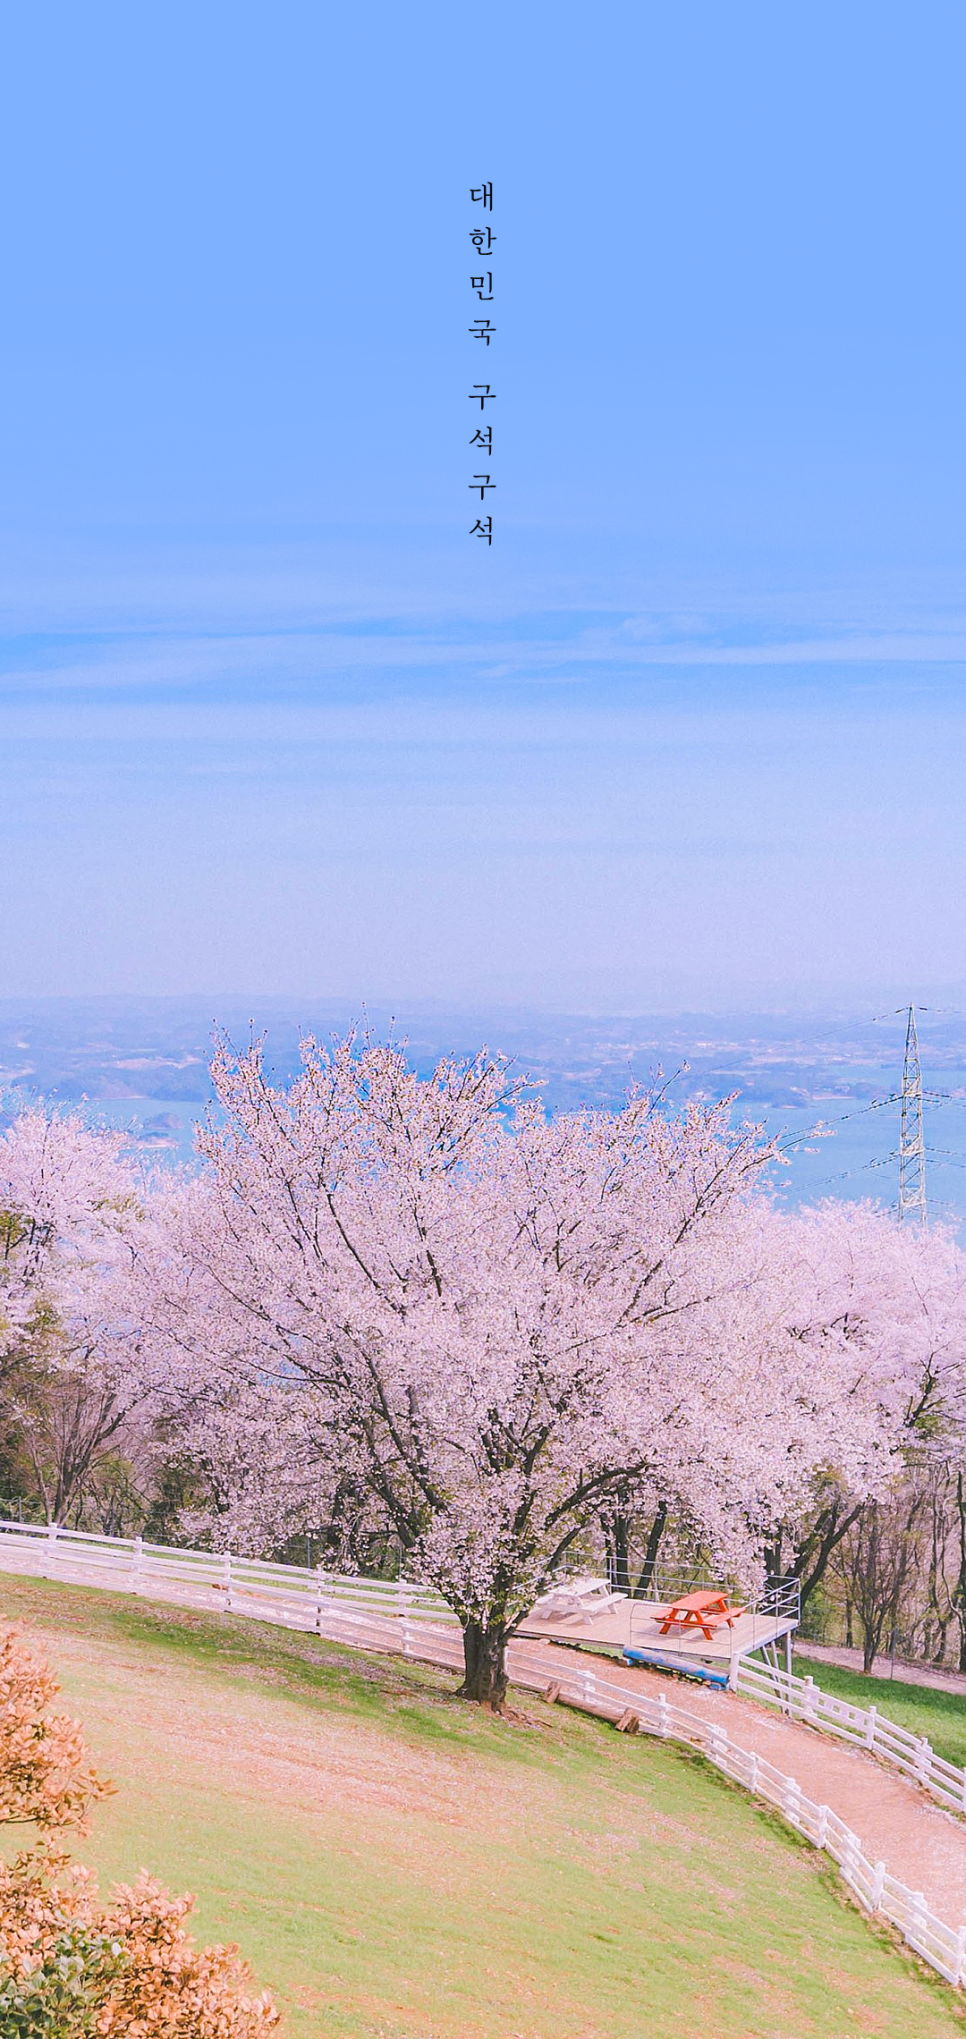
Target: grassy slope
{"points": [[393, 1863], [940, 1716]]}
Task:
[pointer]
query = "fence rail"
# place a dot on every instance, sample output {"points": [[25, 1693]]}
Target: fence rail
{"points": [[136, 1565], [413, 1622], [864, 1726]]}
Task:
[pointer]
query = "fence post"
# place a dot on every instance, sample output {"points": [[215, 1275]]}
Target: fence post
{"points": [[663, 1724], [821, 1832], [792, 1801], [226, 1578], [136, 1566], [809, 1708], [924, 1761], [850, 1849], [319, 1598], [50, 1551], [753, 1771], [407, 1639], [960, 1975], [915, 1919], [588, 1684], [870, 1721], [878, 1886]]}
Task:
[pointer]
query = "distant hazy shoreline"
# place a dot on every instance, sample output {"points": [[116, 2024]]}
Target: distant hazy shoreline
{"points": [[142, 1062]]}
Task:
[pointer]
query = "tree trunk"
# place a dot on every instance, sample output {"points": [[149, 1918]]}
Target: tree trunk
{"points": [[617, 1542], [484, 1660], [812, 1557], [774, 1573], [959, 1594], [642, 1590]]}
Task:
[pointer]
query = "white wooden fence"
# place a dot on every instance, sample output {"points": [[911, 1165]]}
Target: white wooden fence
{"points": [[864, 1726], [413, 1622]]}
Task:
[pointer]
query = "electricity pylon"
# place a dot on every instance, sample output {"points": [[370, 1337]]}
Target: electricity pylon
{"points": [[912, 1146]]}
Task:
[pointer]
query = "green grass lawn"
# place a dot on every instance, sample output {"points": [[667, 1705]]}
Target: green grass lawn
{"points": [[940, 1716], [397, 1865]]}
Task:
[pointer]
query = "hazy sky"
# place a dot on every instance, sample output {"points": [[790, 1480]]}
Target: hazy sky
{"points": [[693, 729]]}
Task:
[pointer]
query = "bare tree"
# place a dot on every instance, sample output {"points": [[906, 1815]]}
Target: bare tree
{"points": [[878, 1565], [69, 1417]]}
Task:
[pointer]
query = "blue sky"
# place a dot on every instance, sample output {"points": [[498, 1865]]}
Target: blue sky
{"points": [[693, 730]]}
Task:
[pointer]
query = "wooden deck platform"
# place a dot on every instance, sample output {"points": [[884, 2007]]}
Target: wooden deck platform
{"points": [[635, 1625]]}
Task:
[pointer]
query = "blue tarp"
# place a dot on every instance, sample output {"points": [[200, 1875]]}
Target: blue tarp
{"points": [[659, 1663]]}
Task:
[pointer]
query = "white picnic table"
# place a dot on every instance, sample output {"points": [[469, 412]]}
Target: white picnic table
{"points": [[574, 1597]]}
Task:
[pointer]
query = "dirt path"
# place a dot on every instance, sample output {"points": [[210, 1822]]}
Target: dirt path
{"points": [[896, 1823]]}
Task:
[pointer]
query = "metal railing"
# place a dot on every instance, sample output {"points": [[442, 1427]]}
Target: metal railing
{"points": [[771, 1613], [413, 1622]]}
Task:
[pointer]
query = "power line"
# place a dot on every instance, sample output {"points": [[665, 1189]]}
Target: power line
{"points": [[912, 1151]]}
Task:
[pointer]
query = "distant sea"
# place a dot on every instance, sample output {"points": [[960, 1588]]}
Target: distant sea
{"points": [[141, 1064]]}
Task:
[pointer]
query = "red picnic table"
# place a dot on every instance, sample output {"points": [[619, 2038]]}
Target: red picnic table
{"points": [[705, 1610]]}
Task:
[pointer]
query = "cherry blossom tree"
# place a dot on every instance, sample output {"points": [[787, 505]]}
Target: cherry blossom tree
{"points": [[885, 1305], [70, 1208], [486, 1322]]}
